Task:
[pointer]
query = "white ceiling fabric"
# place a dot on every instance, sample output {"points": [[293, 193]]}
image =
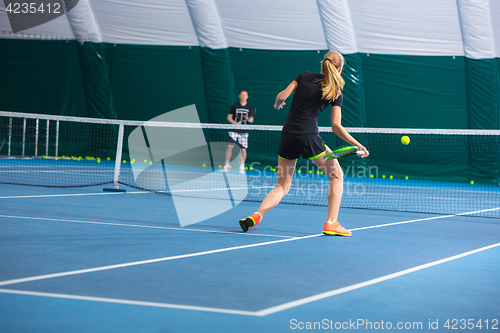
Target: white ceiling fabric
{"points": [[154, 22], [405, 27], [272, 24], [338, 27], [83, 23], [207, 23]]}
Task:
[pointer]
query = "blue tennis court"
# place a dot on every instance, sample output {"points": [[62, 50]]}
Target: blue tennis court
{"points": [[86, 260]]}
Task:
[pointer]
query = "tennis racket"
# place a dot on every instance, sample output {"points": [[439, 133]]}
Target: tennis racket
{"points": [[344, 151]]}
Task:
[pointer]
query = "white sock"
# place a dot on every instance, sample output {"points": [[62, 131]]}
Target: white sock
{"points": [[332, 222]]}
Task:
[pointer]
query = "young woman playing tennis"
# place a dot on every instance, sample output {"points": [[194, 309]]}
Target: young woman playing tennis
{"points": [[300, 137]]}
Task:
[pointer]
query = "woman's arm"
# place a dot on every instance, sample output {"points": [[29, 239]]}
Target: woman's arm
{"points": [[282, 96], [337, 128]]}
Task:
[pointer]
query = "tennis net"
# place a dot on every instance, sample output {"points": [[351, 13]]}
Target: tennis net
{"points": [[440, 171]]}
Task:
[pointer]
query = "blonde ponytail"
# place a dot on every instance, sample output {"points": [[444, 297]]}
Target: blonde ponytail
{"points": [[332, 82]]}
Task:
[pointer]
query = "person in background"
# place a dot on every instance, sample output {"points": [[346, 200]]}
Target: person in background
{"points": [[241, 113]]}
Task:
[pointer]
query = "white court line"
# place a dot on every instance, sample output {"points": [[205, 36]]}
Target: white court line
{"points": [[424, 219], [150, 261], [334, 292], [141, 226], [196, 254], [260, 313], [122, 193], [66, 195], [263, 312], [129, 302]]}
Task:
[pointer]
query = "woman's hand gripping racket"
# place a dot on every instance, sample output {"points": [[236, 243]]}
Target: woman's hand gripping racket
{"points": [[344, 151]]}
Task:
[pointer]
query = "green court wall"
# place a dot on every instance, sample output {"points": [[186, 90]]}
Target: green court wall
{"points": [[140, 82]]}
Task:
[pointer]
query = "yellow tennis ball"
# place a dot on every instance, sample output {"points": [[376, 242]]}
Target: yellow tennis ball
{"points": [[406, 177], [391, 177], [203, 165], [371, 176], [472, 182], [405, 140], [109, 159], [383, 176]]}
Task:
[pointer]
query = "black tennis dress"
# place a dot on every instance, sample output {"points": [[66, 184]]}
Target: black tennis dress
{"points": [[300, 135]]}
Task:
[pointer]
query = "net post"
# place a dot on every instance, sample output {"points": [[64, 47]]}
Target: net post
{"points": [[119, 147], [24, 135], [57, 138], [36, 137], [10, 136], [47, 139]]}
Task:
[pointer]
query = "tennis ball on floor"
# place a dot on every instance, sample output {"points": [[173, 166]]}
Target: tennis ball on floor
{"points": [[109, 158], [405, 140], [251, 168], [383, 176], [150, 162], [56, 158], [390, 177], [406, 177], [472, 182], [310, 171], [371, 176], [203, 165], [146, 161], [246, 168], [124, 162]]}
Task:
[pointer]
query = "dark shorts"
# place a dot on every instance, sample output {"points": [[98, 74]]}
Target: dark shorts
{"points": [[308, 146]]}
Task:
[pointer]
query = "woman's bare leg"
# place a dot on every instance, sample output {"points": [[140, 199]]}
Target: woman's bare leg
{"points": [[286, 169], [333, 171]]}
